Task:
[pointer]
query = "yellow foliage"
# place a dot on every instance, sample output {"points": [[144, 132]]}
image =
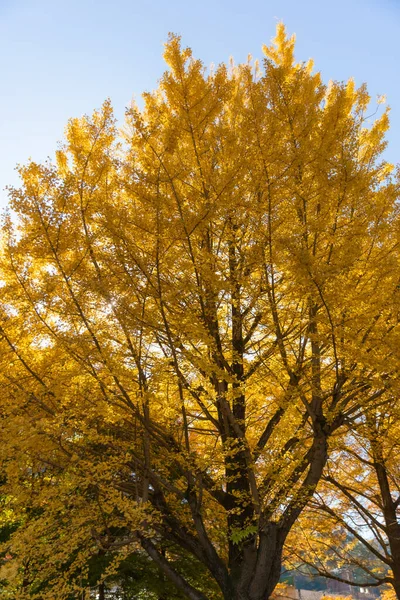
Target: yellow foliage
{"points": [[188, 317], [388, 594]]}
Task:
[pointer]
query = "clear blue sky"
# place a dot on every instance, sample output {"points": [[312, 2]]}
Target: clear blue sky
{"points": [[62, 58]]}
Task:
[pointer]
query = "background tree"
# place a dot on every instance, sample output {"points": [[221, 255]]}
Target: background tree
{"points": [[188, 316], [358, 506]]}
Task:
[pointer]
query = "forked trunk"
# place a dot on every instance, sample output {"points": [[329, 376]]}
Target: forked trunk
{"points": [[257, 570]]}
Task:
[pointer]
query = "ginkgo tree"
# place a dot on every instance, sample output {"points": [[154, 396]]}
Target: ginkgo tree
{"points": [[191, 309]]}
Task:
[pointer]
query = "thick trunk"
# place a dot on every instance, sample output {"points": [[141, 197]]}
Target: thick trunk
{"points": [[260, 569], [396, 586], [395, 549], [260, 588]]}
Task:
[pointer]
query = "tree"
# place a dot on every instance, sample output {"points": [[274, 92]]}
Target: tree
{"points": [[360, 504], [188, 314]]}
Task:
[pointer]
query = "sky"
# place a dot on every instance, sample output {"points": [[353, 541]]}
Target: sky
{"points": [[62, 59]]}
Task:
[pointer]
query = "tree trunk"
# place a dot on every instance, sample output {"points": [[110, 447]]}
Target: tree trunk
{"points": [[395, 550], [258, 573], [396, 586]]}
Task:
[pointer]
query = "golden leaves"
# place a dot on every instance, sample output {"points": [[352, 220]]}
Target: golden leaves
{"points": [[185, 311]]}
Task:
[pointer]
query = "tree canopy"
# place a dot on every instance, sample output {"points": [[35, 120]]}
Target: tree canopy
{"points": [[193, 309]]}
